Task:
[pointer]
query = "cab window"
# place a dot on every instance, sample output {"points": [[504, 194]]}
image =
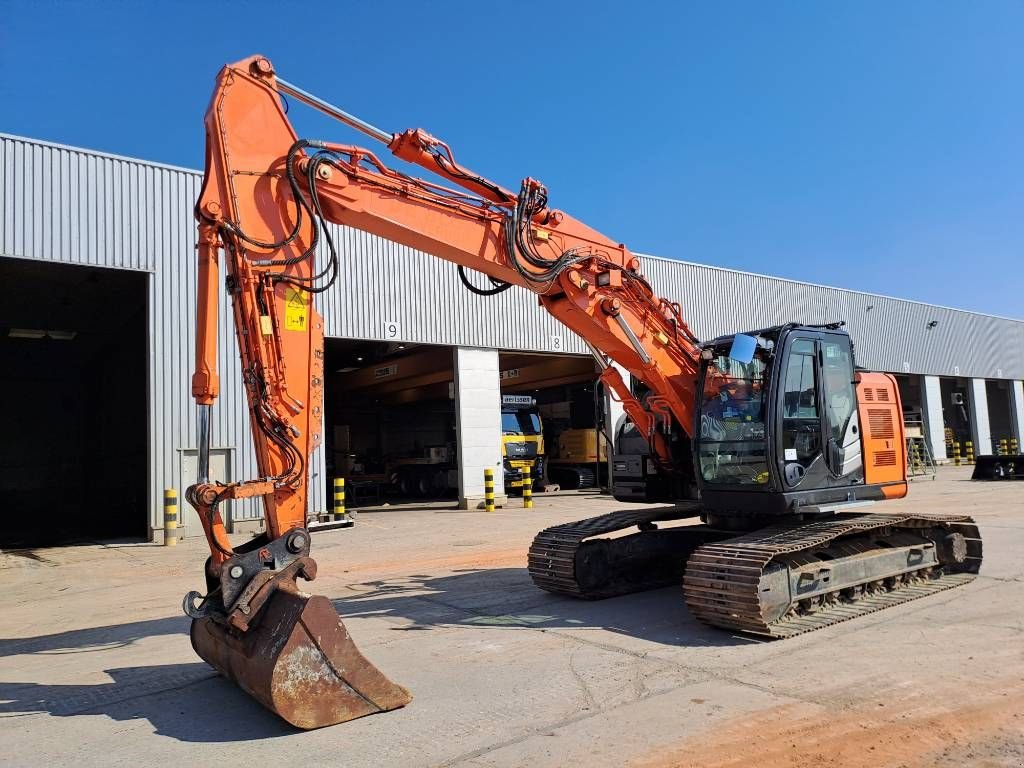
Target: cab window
{"points": [[801, 423]]}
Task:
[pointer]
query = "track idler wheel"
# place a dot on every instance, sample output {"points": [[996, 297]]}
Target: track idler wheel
{"points": [[297, 659]]}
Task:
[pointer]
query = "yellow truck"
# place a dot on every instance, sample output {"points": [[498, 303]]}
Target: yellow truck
{"points": [[522, 441]]}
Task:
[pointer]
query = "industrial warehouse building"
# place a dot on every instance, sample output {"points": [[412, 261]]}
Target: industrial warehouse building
{"points": [[96, 353]]}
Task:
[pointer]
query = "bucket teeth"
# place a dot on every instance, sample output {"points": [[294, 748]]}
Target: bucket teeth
{"points": [[298, 660]]}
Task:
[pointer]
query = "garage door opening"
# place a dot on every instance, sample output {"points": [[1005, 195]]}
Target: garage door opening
{"points": [[956, 413], [999, 398], [73, 460], [569, 404], [390, 420]]}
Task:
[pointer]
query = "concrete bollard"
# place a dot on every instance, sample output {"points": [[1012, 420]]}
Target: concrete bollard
{"points": [[339, 498], [170, 517], [527, 489], [489, 489]]}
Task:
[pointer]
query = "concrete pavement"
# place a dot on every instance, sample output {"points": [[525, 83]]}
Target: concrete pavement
{"points": [[96, 667]]}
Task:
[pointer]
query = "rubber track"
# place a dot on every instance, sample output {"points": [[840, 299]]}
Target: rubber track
{"points": [[552, 556], [722, 579]]}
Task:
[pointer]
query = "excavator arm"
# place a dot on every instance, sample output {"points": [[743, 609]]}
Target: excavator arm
{"points": [[264, 216]]}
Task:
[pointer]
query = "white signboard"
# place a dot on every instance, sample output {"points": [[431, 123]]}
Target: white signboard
{"points": [[517, 400]]}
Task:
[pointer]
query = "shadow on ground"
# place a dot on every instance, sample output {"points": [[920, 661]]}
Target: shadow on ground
{"points": [[188, 702], [95, 638], [506, 597]]}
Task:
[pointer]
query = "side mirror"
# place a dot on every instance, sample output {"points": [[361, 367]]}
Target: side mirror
{"points": [[743, 348]]}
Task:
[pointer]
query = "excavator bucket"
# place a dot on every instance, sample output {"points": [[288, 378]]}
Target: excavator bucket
{"points": [[1005, 467], [298, 660]]}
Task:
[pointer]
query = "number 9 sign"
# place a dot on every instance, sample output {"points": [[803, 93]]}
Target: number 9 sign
{"points": [[392, 330]]}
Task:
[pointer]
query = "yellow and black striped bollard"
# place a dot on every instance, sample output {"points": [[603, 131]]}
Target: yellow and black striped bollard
{"points": [[956, 452], [970, 451], [170, 517], [339, 498], [489, 489], [1004, 447], [527, 488], [1013, 446], [915, 456]]}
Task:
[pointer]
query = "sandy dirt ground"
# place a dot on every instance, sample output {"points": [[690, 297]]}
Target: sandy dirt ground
{"points": [[96, 666]]}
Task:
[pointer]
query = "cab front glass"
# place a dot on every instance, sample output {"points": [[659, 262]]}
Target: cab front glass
{"points": [[731, 446]]}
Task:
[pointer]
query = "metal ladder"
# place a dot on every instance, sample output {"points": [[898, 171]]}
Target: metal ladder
{"points": [[919, 459]]}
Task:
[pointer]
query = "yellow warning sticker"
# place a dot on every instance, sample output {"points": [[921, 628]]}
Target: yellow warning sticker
{"points": [[296, 309]]}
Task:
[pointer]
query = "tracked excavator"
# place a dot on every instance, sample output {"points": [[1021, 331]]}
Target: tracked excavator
{"points": [[773, 438]]}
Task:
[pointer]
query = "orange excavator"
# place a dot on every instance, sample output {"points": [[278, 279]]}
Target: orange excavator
{"points": [[772, 437]]}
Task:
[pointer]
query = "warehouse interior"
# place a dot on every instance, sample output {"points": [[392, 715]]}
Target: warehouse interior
{"points": [[73, 461], [1000, 404], [390, 411], [911, 398], [956, 408]]}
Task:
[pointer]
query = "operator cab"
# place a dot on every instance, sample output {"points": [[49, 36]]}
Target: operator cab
{"points": [[778, 425]]}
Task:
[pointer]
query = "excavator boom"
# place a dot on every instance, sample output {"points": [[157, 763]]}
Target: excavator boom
{"points": [[263, 214]]}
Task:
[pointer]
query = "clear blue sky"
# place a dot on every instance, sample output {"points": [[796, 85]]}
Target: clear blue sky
{"points": [[868, 145]]}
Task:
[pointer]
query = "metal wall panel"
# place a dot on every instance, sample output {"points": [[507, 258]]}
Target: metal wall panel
{"points": [[890, 334], [381, 281], [80, 207], [75, 207]]}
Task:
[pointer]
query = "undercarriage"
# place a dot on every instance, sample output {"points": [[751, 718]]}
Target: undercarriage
{"points": [[778, 581]]}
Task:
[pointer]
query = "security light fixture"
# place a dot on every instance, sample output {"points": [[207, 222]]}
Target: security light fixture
{"points": [[26, 333], [38, 333]]}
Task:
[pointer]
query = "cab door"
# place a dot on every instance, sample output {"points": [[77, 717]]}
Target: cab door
{"points": [[799, 449], [842, 439], [818, 442]]}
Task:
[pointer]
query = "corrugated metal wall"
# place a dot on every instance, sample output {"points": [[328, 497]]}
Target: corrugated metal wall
{"points": [[382, 282], [80, 207], [890, 334], [76, 207]]}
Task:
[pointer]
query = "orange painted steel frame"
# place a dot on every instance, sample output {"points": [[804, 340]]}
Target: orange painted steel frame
{"points": [[880, 411], [602, 296]]}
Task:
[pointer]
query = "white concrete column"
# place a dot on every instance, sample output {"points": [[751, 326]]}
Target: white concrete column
{"points": [[981, 431], [1017, 410], [934, 425], [477, 422], [613, 411]]}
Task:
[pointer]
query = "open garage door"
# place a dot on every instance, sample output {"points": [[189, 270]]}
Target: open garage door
{"points": [[1000, 412], [568, 402], [73, 383], [390, 415]]}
